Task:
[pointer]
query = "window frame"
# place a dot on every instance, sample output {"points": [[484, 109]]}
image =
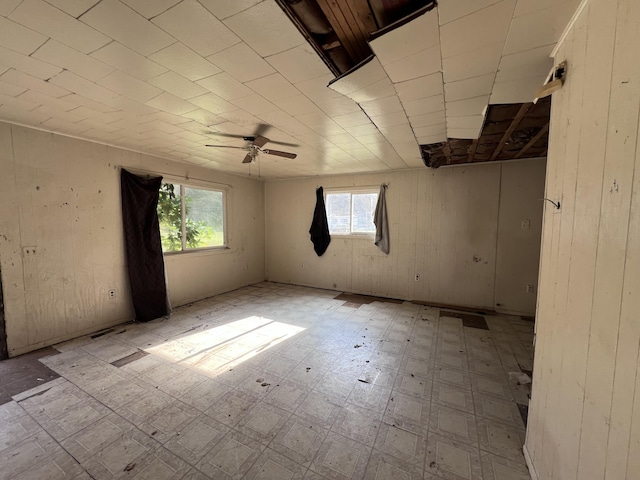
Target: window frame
{"points": [[200, 185], [353, 191]]}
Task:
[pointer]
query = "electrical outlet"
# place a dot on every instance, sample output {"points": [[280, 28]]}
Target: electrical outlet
{"points": [[530, 288], [417, 278], [112, 294]]}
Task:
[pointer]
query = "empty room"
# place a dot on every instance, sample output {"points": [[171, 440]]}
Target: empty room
{"points": [[320, 239]]}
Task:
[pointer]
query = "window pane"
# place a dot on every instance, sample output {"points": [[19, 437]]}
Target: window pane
{"points": [[204, 220], [339, 212], [169, 215], [364, 206]]}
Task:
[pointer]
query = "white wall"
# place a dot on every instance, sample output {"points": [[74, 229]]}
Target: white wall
{"points": [[521, 188], [443, 227], [584, 417], [62, 196]]}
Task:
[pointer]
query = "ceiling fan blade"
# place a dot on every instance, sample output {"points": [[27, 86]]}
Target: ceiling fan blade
{"points": [[226, 146], [259, 141], [221, 134], [262, 128], [248, 158], [284, 143], [280, 154]]}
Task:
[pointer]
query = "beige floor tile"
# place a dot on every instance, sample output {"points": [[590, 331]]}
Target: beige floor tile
{"points": [[197, 438], [402, 444], [358, 424], [499, 468], [453, 397], [452, 376], [340, 458], [273, 466], [489, 386], [454, 424], [170, 421], [59, 466], [317, 408], [263, 422], [299, 440], [231, 458], [205, 394], [286, 395], [452, 460], [492, 408], [370, 396], [387, 467], [232, 407], [24, 454], [408, 412], [502, 440]]}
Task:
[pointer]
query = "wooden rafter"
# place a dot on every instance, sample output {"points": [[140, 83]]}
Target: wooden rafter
{"points": [[514, 124], [533, 141], [343, 28], [472, 150]]}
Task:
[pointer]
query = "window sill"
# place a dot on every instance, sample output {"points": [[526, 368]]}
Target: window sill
{"points": [[359, 236], [198, 252]]}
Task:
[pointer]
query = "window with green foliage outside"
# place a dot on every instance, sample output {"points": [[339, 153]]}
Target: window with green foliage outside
{"points": [[190, 218]]}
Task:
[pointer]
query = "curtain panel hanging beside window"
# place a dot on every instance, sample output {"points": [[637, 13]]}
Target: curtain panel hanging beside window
{"points": [[319, 230], [145, 262], [380, 221]]}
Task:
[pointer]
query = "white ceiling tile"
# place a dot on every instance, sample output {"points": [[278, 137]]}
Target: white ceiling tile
{"points": [[82, 86], [197, 28], [285, 122], [18, 115], [85, 112], [469, 122], [429, 131], [58, 54], [177, 85], [298, 64], [225, 86], [421, 87], [7, 6], [266, 29], [339, 106], [477, 30], [473, 64], [125, 59], [471, 87], [131, 106], [382, 106], [33, 83], [204, 117], [530, 6], [254, 104], [130, 87], [60, 104], [343, 140], [167, 117], [316, 89], [530, 63], [241, 62], [17, 103], [543, 27], [427, 120], [150, 8], [127, 27], [273, 87], [227, 8], [10, 89], [425, 105], [49, 21], [297, 105], [170, 103], [391, 119], [184, 61], [79, 100], [429, 139], [352, 119], [75, 8], [449, 10], [381, 89], [57, 125], [212, 103], [365, 75], [16, 37], [407, 40], [314, 120], [425, 62], [398, 133], [521, 90], [29, 65], [469, 106], [240, 117], [465, 133]]}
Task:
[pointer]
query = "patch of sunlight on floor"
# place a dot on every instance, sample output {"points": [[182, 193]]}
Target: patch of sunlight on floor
{"points": [[226, 346]]}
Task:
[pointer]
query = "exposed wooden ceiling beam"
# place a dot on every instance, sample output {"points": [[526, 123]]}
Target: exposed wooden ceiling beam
{"points": [[533, 141], [472, 150], [514, 124], [343, 28]]}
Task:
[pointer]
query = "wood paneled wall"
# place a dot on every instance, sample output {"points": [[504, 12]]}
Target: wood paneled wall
{"points": [[61, 245], [584, 418]]}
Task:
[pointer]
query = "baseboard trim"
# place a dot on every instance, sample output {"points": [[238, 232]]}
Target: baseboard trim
{"points": [[527, 458]]}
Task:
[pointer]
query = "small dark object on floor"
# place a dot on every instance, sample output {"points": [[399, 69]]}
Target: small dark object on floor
{"points": [[259, 380], [104, 332], [308, 368], [264, 384], [357, 346], [412, 375], [363, 381], [154, 432], [129, 467], [433, 465], [129, 358]]}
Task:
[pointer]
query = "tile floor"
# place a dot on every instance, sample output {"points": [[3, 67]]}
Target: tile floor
{"points": [[279, 382]]}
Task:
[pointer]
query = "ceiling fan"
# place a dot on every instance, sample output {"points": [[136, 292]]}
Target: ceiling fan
{"points": [[254, 145]]}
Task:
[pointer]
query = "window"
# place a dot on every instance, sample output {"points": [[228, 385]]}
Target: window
{"points": [[351, 212], [191, 218]]}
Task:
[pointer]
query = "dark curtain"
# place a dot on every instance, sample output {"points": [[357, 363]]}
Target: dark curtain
{"points": [[145, 262], [319, 230]]}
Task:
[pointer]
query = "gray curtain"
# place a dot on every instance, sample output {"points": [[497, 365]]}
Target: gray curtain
{"points": [[380, 221]]}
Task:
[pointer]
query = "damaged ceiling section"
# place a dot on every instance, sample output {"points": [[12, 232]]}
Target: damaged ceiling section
{"points": [[452, 82]]}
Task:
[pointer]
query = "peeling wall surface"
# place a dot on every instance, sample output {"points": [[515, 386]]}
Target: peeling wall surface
{"points": [[443, 226], [584, 416], [61, 241]]}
